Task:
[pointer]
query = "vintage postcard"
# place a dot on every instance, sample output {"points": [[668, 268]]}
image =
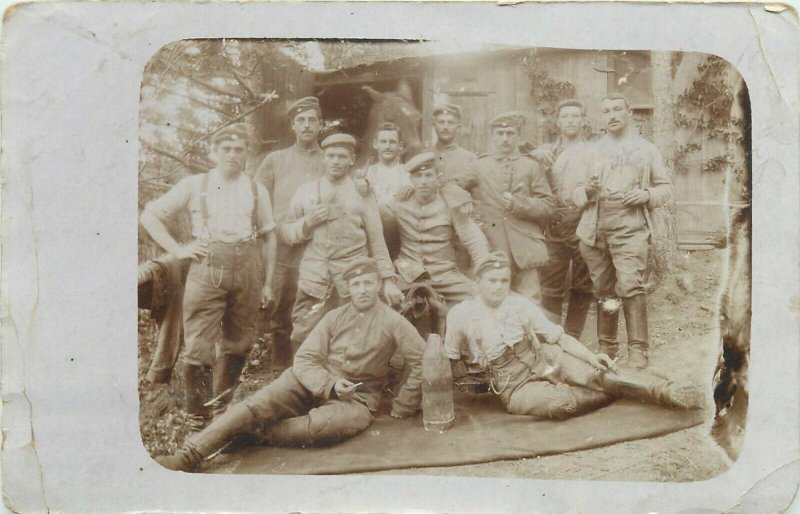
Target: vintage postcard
{"points": [[393, 257]]}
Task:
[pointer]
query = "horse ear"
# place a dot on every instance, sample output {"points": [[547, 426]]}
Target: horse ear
{"points": [[375, 95]]}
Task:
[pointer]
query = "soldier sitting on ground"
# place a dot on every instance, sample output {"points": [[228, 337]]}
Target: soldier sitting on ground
{"points": [[335, 384], [534, 366]]}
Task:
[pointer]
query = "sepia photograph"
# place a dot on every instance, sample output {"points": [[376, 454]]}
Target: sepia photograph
{"points": [[334, 257], [415, 257]]}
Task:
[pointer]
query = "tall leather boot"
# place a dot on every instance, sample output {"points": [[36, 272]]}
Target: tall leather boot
{"points": [[197, 387], [635, 309], [607, 325], [577, 310], [234, 421], [552, 308], [589, 400], [227, 370], [646, 387]]}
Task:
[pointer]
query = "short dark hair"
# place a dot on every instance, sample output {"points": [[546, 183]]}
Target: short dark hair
{"points": [[571, 102], [617, 96], [388, 125]]}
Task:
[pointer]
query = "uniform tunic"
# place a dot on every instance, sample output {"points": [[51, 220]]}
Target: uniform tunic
{"points": [[518, 346], [614, 237], [282, 172], [520, 231], [569, 169], [222, 293], [452, 159], [354, 230], [345, 344], [428, 232]]}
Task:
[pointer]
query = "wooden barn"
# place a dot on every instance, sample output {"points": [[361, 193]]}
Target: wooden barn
{"points": [[490, 81]]}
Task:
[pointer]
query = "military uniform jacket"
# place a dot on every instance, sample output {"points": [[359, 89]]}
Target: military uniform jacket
{"points": [[631, 163], [427, 236], [520, 231], [357, 346], [452, 159]]}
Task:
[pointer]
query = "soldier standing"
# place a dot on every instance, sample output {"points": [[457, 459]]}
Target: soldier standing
{"points": [[336, 381], [451, 158], [231, 217], [335, 224], [428, 231], [533, 365], [282, 172], [514, 202], [388, 176], [567, 160], [628, 180]]}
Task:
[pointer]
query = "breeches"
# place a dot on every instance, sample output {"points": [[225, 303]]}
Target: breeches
{"points": [[221, 302], [563, 256], [526, 282], [286, 412], [618, 267], [552, 393], [308, 311]]}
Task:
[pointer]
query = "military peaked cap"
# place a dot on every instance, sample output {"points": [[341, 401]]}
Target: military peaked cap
{"points": [[343, 140], [235, 132], [360, 266], [304, 104], [453, 109], [508, 119], [423, 161], [495, 260]]}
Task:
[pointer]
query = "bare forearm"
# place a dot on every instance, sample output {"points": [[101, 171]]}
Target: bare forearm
{"points": [[574, 347], [155, 227], [270, 251]]}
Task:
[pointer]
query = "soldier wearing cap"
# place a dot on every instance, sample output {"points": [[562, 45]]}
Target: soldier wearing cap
{"points": [[534, 366], [335, 384], [335, 225], [282, 172], [231, 223], [451, 158], [566, 163], [628, 179], [514, 202], [428, 230]]}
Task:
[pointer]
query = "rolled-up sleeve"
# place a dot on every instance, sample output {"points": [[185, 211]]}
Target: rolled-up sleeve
{"points": [[266, 222], [173, 201], [454, 337]]}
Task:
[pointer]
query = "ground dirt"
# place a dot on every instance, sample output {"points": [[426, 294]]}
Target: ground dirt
{"points": [[683, 330]]}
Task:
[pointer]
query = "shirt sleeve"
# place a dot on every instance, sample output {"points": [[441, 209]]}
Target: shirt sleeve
{"points": [[660, 187], [375, 241], [173, 201], [471, 236], [388, 210], [265, 175], [538, 206], [291, 230], [538, 324], [266, 223], [310, 358], [454, 337], [411, 346]]}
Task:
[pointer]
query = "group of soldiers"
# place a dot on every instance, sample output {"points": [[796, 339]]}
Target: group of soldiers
{"points": [[496, 236]]}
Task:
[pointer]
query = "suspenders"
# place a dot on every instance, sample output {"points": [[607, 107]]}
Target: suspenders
{"points": [[204, 206]]}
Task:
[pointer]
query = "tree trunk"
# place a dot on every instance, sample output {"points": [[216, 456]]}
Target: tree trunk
{"points": [[665, 239]]}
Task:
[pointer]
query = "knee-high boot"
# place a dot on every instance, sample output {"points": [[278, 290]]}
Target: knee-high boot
{"points": [[295, 432], [607, 326], [577, 310], [552, 308], [588, 400], [236, 420], [197, 387], [227, 370], [635, 309], [646, 387]]}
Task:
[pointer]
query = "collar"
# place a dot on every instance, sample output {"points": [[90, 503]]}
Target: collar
{"points": [[303, 151], [442, 148], [510, 157]]}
